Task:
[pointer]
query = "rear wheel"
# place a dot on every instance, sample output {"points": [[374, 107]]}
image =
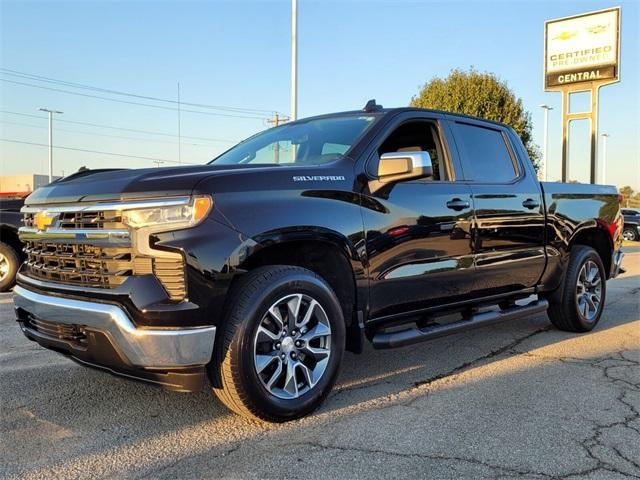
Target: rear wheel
{"points": [[580, 306], [9, 263], [281, 346]]}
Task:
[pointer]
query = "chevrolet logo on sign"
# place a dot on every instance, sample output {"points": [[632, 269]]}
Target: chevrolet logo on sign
{"points": [[43, 220]]}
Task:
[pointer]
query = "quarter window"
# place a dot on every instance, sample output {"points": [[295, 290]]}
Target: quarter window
{"points": [[484, 154]]}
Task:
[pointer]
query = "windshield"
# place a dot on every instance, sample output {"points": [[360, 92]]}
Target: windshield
{"points": [[313, 142]]}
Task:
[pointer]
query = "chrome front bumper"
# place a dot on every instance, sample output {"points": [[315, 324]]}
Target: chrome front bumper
{"points": [[142, 347]]}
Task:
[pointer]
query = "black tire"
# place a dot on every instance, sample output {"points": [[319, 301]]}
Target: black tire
{"points": [[9, 262], [564, 311], [232, 371], [630, 233]]}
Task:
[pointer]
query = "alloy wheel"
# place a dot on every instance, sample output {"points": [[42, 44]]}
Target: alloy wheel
{"points": [[589, 290], [4, 267], [292, 346]]}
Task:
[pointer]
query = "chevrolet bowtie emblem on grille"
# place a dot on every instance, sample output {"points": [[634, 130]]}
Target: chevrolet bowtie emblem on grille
{"points": [[43, 220]]}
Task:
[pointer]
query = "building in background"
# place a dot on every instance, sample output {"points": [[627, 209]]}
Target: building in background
{"points": [[21, 185]]}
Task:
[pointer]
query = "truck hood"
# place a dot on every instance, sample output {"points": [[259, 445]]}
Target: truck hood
{"points": [[125, 184]]}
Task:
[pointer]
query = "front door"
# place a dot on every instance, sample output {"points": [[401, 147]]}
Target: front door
{"points": [[418, 232]]}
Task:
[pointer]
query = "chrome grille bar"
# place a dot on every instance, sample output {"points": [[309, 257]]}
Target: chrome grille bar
{"points": [[116, 237], [110, 206]]}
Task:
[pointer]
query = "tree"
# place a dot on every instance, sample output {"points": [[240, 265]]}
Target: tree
{"points": [[630, 199], [482, 95]]}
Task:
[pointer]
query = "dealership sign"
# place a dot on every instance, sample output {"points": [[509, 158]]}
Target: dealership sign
{"points": [[581, 54], [583, 48]]}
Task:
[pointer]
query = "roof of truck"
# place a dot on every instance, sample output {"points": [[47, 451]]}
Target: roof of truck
{"points": [[397, 110]]}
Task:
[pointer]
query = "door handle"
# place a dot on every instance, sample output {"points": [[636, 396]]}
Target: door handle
{"points": [[457, 204], [530, 203]]}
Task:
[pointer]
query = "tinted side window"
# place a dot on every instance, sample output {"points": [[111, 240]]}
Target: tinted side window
{"points": [[484, 154]]}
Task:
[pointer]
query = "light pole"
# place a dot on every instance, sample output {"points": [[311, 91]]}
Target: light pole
{"points": [[294, 60], [604, 156], [50, 112], [179, 133], [545, 147]]}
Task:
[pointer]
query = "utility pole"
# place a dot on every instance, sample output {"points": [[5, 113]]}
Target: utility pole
{"points": [[50, 112], [604, 156], [294, 60], [179, 137], [275, 121], [545, 151]]}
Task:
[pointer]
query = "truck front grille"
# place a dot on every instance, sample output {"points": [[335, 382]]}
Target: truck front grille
{"points": [[85, 220], [81, 264], [73, 250]]}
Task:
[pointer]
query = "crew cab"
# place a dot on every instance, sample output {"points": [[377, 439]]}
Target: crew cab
{"points": [[258, 270]]}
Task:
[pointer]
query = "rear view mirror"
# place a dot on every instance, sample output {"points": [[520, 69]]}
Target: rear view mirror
{"points": [[397, 166]]}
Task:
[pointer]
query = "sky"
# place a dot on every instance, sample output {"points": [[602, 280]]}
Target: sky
{"points": [[236, 56]]}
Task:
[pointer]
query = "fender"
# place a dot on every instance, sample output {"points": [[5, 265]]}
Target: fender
{"points": [[242, 257], [569, 220]]}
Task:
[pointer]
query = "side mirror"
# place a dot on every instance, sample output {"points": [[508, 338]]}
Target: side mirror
{"points": [[396, 166]]}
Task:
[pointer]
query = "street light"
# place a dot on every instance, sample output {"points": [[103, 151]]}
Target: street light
{"points": [[294, 60], [50, 112], [604, 156], [545, 148]]}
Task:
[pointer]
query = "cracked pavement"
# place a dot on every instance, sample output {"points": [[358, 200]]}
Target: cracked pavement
{"points": [[518, 399]]}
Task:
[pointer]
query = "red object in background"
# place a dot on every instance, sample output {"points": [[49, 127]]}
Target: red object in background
{"points": [[14, 194], [396, 232], [610, 227]]}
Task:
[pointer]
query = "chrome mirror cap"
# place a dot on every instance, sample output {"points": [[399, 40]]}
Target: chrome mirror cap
{"points": [[396, 166]]}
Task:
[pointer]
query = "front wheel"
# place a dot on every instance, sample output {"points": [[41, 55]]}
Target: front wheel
{"points": [[9, 263], [580, 306], [282, 342]]}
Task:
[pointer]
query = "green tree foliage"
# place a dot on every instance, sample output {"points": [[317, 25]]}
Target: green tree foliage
{"points": [[631, 199], [482, 95]]}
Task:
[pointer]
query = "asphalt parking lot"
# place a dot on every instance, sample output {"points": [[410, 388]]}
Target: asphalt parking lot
{"points": [[519, 399]]}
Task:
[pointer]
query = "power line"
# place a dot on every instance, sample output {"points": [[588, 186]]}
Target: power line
{"points": [[41, 78], [102, 134], [94, 151], [148, 132], [252, 117]]}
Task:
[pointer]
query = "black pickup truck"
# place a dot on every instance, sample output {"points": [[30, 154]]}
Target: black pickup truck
{"points": [[389, 226]]}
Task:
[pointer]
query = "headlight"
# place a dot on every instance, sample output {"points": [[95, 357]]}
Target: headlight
{"points": [[173, 216]]}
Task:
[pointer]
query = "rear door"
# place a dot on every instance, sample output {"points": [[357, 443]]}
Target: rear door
{"points": [[508, 231]]}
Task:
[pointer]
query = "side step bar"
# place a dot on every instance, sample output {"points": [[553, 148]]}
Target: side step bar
{"points": [[413, 335]]}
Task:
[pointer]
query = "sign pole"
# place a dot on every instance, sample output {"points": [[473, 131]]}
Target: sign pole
{"points": [[594, 132], [604, 156], [565, 135]]}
